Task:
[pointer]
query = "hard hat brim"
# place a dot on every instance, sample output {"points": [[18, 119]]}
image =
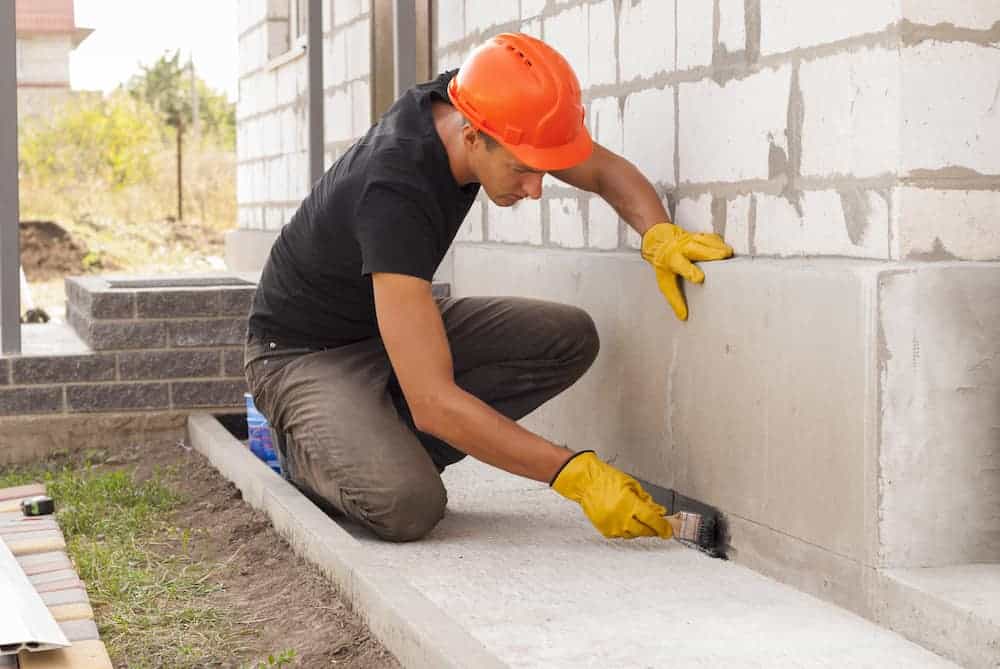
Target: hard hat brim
{"points": [[553, 159]]}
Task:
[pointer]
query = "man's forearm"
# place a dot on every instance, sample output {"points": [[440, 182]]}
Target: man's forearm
{"points": [[473, 427], [632, 196]]}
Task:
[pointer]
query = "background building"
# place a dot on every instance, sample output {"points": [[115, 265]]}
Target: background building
{"points": [[46, 34]]}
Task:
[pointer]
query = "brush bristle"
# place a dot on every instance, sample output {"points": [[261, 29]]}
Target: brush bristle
{"points": [[703, 531], [708, 532]]}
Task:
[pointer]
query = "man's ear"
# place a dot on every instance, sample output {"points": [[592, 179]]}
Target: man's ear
{"points": [[469, 135]]}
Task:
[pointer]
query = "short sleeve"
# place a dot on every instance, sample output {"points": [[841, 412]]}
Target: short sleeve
{"points": [[395, 231]]}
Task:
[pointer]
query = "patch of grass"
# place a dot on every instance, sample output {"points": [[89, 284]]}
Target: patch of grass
{"points": [[152, 605], [285, 658]]}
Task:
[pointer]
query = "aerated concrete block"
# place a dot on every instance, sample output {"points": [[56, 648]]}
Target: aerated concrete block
{"points": [[718, 145], [646, 38], [694, 34], [563, 31], [786, 25], [520, 224], [565, 223], [852, 123], [648, 133], [950, 120]]}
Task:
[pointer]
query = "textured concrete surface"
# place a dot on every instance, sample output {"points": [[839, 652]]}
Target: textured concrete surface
{"points": [[514, 575], [525, 572], [954, 610], [940, 421], [734, 407]]}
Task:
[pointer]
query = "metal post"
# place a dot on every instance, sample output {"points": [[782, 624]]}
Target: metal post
{"points": [[315, 55], [10, 242], [404, 28]]}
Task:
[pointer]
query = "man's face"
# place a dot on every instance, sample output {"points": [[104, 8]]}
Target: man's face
{"points": [[505, 179]]}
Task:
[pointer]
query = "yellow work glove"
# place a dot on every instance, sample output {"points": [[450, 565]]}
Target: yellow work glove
{"points": [[613, 501], [671, 250]]}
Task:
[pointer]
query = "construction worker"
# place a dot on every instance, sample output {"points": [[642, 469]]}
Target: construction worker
{"points": [[378, 384]]}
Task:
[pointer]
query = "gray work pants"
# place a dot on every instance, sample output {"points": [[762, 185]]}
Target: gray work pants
{"points": [[353, 443]]}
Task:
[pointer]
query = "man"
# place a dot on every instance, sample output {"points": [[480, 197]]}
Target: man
{"points": [[379, 385]]}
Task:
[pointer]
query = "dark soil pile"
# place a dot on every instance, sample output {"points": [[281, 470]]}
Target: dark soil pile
{"points": [[48, 251]]}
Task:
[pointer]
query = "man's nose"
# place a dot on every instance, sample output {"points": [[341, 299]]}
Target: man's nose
{"points": [[532, 186]]}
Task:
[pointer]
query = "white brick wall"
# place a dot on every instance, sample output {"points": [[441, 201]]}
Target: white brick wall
{"points": [[633, 239], [520, 224], [472, 227], [361, 108], [951, 113], [338, 116], [794, 24], [695, 214], [606, 123], [979, 14], [732, 25], [719, 144], [565, 223], [484, 14], [348, 10], [851, 116], [359, 49], [531, 8], [645, 38], [649, 133], [450, 18], [563, 32], [822, 229], [601, 62], [335, 59], [694, 33], [965, 224], [738, 224], [603, 224]]}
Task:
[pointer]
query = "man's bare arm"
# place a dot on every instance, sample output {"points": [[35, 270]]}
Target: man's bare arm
{"points": [[620, 184], [414, 335]]}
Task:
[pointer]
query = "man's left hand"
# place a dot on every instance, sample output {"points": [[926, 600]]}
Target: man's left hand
{"points": [[672, 251]]}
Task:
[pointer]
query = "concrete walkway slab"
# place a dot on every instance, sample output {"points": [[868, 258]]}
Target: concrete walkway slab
{"points": [[519, 578], [526, 573], [954, 610]]}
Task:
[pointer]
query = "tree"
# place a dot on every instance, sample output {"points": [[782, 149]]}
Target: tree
{"points": [[175, 92], [111, 141]]}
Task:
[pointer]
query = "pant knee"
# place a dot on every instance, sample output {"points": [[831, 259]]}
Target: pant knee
{"points": [[406, 512], [583, 333]]}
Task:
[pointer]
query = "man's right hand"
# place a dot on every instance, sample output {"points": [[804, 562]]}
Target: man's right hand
{"points": [[613, 501]]}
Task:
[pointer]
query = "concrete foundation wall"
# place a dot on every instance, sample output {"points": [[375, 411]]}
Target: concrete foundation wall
{"points": [[842, 413]]}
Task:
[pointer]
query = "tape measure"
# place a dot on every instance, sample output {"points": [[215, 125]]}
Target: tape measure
{"points": [[39, 505]]}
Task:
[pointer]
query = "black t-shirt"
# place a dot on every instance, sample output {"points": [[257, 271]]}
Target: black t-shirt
{"points": [[389, 204]]}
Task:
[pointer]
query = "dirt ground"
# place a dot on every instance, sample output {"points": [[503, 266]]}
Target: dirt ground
{"points": [[286, 599], [48, 251]]}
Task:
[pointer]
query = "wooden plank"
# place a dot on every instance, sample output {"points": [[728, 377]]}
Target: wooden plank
{"points": [[81, 655]]}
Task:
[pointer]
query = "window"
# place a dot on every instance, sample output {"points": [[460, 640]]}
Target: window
{"points": [[298, 22], [287, 36]]}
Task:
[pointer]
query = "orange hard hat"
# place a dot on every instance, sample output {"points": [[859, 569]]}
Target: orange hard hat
{"points": [[524, 94]]}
